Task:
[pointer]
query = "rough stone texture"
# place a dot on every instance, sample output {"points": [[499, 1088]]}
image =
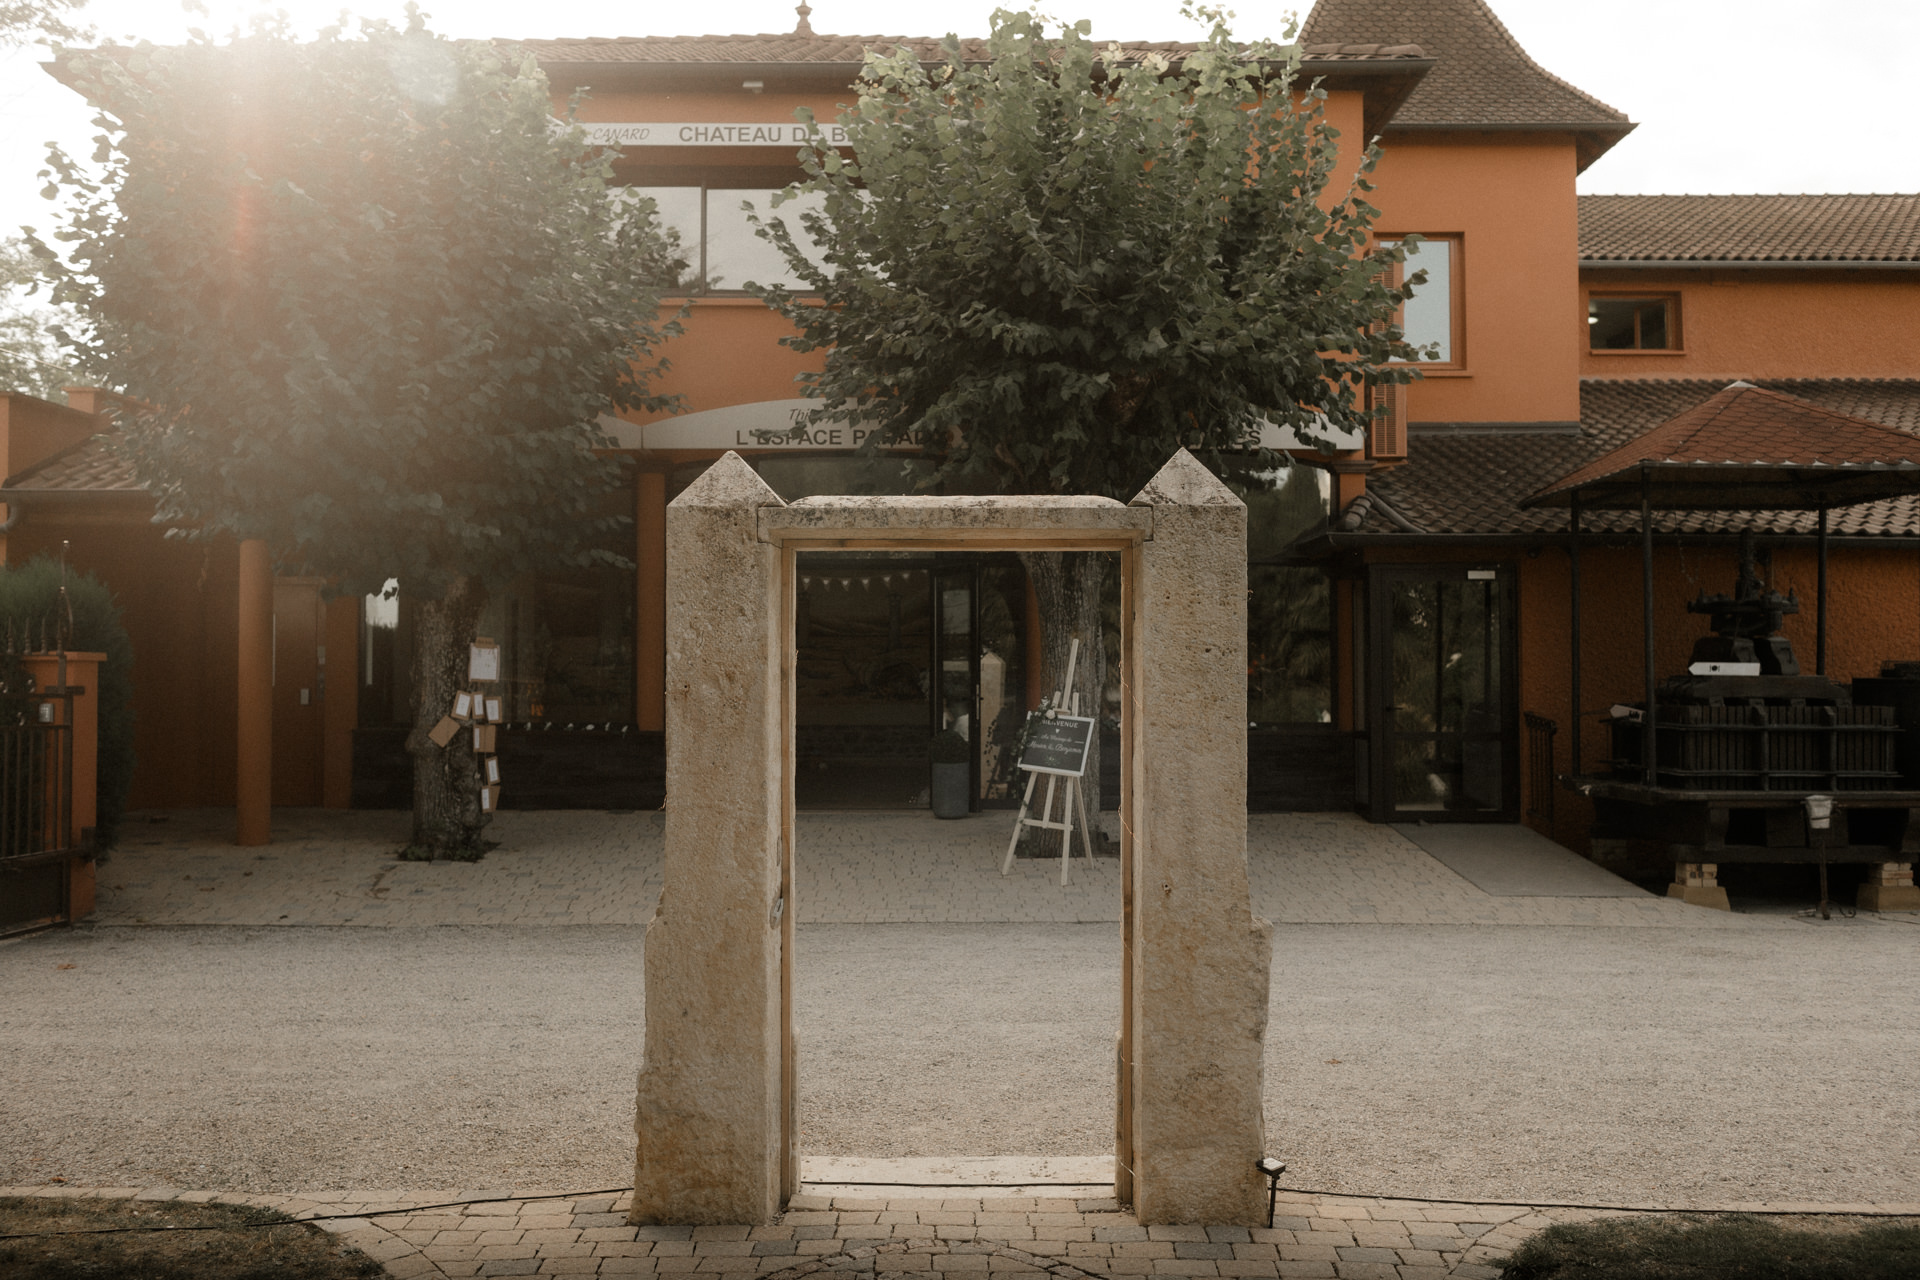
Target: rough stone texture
{"points": [[1191, 1119], [1021, 521], [710, 1114], [714, 1122]]}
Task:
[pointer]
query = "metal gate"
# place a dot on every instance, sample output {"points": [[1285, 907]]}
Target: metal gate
{"points": [[36, 801]]}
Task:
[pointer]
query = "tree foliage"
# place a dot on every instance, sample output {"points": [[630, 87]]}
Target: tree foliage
{"points": [[372, 299], [22, 20], [30, 356], [1051, 270]]}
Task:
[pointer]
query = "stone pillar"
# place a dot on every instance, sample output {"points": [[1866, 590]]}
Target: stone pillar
{"points": [[1697, 884], [1888, 886], [1193, 1033], [253, 766], [714, 1121]]}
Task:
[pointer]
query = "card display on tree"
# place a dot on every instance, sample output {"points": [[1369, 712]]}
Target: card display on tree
{"points": [[483, 659]]}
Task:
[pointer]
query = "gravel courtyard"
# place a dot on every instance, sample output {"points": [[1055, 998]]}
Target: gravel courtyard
{"points": [[1691, 1057]]}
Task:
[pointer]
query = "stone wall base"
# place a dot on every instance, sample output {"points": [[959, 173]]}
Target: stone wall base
{"points": [[1888, 897], [1695, 895]]}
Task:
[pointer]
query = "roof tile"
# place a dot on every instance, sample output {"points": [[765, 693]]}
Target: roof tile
{"points": [[1472, 484], [95, 465], [804, 48], [1804, 228], [1482, 76]]}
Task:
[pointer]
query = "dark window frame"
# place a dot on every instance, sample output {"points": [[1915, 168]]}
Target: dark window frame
{"points": [[1644, 299]]}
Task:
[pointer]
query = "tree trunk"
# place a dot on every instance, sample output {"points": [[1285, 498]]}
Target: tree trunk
{"points": [[446, 780], [1068, 585]]}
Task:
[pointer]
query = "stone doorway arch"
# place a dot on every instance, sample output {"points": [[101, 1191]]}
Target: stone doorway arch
{"points": [[716, 1118]]}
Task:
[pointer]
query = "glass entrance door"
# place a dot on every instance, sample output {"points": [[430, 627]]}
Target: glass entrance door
{"points": [[957, 660], [1446, 747]]}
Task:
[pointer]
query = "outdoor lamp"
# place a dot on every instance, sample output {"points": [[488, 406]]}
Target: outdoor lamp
{"points": [[1272, 1169]]}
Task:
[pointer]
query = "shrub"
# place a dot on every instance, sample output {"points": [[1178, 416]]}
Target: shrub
{"points": [[950, 747], [1694, 1247], [29, 606]]}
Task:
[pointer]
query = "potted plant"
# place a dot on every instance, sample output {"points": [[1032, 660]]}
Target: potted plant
{"points": [[952, 774]]}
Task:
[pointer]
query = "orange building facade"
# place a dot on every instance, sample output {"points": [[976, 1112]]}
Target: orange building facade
{"points": [[1399, 571]]}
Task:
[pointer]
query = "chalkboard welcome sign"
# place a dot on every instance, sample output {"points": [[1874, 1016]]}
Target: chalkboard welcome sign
{"points": [[1057, 745]]}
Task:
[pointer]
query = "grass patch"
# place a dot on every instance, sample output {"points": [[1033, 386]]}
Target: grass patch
{"points": [[167, 1240], [1720, 1247]]}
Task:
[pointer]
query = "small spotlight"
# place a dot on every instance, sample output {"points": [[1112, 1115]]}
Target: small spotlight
{"points": [[1271, 1169], [753, 86]]}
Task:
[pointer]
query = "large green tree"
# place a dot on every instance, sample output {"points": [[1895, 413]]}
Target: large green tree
{"points": [[373, 299], [1050, 270]]}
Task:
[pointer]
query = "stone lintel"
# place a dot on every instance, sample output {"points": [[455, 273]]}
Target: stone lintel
{"points": [[1200, 956], [710, 1114], [1015, 522]]}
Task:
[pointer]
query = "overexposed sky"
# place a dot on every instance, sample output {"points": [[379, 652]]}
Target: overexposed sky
{"points": [[1730, 95]]}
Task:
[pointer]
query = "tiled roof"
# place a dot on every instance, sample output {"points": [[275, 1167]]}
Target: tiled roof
{"points": [[802, 48], [1481, 77], [1472, 484], [92, 466], [1745, 433], [1750, 228]]}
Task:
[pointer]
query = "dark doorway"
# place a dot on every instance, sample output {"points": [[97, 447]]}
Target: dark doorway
{"points": [[864, 692], [1444, 676]]}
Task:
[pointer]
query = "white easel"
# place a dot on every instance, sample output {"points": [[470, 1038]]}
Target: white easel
{"points": [[1074, 796]]}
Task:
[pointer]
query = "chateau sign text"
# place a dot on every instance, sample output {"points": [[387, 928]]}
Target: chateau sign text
{"points": [[713, 134]]}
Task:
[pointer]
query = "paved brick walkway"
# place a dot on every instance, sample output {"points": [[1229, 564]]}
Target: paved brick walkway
{"points": [[581, 867], [1338, 1237]]}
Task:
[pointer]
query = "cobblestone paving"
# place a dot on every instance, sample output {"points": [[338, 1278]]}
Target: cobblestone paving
{"points": [[328, 867], [1338, 1237]]}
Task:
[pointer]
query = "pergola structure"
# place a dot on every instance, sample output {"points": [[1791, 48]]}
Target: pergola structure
{"points": [[1744, 449]]}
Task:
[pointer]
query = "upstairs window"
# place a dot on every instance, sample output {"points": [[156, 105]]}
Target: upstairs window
{"points": [[1633, 324], [720, 246], [1431, 317]]}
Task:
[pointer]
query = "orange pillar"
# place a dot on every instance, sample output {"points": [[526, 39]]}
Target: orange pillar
{"points": [[339, 701], [253, 790], [650, 584]]}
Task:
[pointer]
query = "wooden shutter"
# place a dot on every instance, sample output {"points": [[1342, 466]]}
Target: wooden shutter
{"points": [[1387, 435]]}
